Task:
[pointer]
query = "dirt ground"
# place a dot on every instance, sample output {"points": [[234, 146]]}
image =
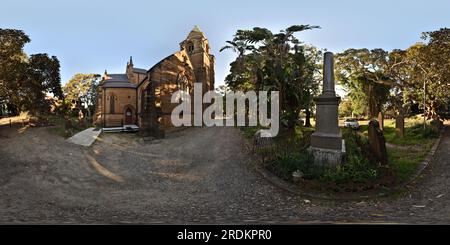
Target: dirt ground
{"points": [[197, 175]]}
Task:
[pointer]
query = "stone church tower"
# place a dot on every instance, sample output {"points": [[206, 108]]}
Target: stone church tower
{"points": [[197, 47], [141, 97]]}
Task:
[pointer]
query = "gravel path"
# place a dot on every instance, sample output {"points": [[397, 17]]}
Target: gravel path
{"points": [[198, 175]]}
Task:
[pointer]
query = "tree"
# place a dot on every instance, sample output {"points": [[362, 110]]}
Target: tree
{"points": [[362, 72], [12, 65], [430, 74], [268, 61], [345, 108], [25, 82], [82, 89]]}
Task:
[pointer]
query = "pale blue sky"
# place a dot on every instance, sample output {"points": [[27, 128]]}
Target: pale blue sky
{"points": [[89, 36]]}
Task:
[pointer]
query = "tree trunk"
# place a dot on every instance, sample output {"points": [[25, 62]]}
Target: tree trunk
{"points": [[400, 125]]}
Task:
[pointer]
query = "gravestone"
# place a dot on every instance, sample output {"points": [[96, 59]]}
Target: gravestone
{"points": [[80, 115], [327, 145], [262, 144], [400, 126], [381, 120], [377, 143]]}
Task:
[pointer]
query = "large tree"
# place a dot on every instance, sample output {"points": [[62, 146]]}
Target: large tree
{"points": [[12, 65], [430, 73], [362, 73], [82, 89], [276, 62], [25, 82]]}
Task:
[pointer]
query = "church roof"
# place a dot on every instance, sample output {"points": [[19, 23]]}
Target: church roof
{"points": [[118, 85], [140, 70], [116, 78], [117, 81]]}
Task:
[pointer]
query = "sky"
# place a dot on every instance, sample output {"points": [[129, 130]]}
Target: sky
{"points": [[89, 36]]}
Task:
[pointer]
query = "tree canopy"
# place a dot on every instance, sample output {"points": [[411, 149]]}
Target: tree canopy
{"points": [[377, 79], [82, 89], [25, 81], [276, 61]]}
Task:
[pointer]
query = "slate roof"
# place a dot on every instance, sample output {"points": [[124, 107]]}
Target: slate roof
{"points": [[117, 78], [108, 84], [117, 81], [140, 70]]}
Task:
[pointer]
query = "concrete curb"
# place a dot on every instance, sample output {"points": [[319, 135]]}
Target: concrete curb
{"points": [[293, 189]]}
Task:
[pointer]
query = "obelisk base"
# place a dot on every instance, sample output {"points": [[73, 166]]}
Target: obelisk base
{"points": [[328, 157]]}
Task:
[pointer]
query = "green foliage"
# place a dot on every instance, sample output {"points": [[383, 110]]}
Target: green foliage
{"points": [[25, 81], [345, 108], [362, 72], [414, 133], [268, 61], [357, 168], [66, 127], [292, 161], [83, 89], [249, 132]]}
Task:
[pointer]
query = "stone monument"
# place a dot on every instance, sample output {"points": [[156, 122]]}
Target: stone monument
{"points": [[327, 145]]}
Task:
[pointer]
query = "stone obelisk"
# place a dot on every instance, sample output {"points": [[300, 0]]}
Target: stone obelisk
{"points": [[327, 145]]}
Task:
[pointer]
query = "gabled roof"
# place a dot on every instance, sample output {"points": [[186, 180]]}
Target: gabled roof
{"points": [[140, 70], [117, 81], [118, 85], [116, 78]]}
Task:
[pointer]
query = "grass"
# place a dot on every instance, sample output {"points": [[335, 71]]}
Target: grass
{"points": [[359, 173], [404, 161], [414, 134]]}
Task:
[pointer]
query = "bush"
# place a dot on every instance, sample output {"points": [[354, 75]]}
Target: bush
{"points": [[302, 161], [356, 169], [417, 131]]}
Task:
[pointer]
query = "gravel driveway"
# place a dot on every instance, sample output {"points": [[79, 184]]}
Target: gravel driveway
{"points": [[198, 175]]}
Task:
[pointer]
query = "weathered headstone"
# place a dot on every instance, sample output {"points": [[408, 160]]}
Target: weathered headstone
{"points": [[80, 115], [400, 126], [326, 141], [381, 120], [377, 143], [262, 144]]}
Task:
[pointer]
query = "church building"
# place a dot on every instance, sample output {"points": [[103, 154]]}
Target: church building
{"points": [[138, 95]]}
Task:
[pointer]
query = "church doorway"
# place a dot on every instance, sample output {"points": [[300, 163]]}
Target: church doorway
{"points": [[128, 116]]}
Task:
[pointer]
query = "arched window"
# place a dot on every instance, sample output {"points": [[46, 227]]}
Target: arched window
{"points": [[111, 104], [190, 47]]}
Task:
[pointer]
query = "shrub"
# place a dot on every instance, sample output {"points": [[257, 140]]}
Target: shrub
{"points": [[356, 169], [302, 161]]}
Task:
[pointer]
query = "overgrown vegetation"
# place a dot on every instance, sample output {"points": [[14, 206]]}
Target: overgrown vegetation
{"points": [[67, 127], [287, 155]]}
